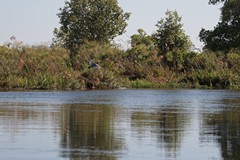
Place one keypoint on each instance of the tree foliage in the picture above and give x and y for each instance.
(171, 38)
(215, 1)
(226, 34)
(142, 39)
(89, 20)
(143, 48)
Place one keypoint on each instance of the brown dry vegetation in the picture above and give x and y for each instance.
(42, 67)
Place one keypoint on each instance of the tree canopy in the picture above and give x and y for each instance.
(90, 20)
(215, 1)
(226, 34)
(171, 38)
(141, 39)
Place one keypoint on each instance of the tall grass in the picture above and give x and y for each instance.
(42, 67)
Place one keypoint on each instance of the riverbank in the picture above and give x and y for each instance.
(42, 67)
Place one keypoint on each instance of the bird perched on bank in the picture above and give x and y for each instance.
(93, 65)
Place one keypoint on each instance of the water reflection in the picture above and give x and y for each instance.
(224, 128)
(118, 125)
(18, 117)
(167, 125)
(88, 131)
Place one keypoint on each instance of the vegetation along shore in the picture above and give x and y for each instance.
(83, 55)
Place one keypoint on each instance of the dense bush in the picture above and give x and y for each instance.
(42, 67)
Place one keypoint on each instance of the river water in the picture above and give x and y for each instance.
(120, 125)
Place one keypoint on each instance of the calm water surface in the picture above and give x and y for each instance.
(120, 125)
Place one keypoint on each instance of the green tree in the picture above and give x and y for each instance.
(143, 48)
(226, 34)
(215, 1)
(142, 58)
(142, 38)
(171, 39)
(89, 20)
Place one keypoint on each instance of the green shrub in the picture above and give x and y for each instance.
(99, 78)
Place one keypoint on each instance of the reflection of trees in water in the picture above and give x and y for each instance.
(223, 127)
(88, 132)
(167, 125)
(18, 114)
(14, 116)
